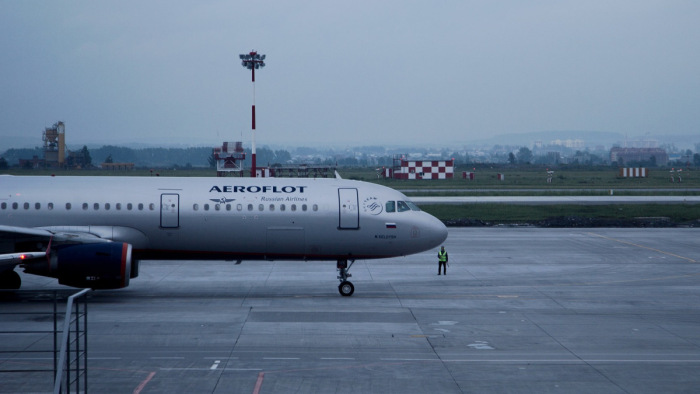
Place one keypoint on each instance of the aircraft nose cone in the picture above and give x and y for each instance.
(437, 231)
(432, 234)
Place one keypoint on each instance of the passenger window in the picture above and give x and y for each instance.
(315, 208)
(391, 206)
(250, 207)
(129, 206)
(68, 206)
(119, 206)
(85, 206)
(14, 205)
(107, 206)
(50, 206)
(239, 207)
(272, 207)
(151, 206)
(140, 207)
(3, 205)
(217, 207)
(303, 207)
(282, 207)
(228, 207)
(261, 207)
(294, 207)
(26, 205)
(37, 206)
(402, 206)
(195, 207)
(96, 206)
(206, 207)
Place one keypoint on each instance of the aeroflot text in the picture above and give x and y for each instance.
(257, 189)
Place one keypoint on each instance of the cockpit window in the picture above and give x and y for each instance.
(403, 207)
(391, 206)
(413, 206)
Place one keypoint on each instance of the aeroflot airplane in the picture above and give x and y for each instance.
(93, 231)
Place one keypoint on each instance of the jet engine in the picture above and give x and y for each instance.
(97, 265)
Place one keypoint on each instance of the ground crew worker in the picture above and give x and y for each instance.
(442, 260)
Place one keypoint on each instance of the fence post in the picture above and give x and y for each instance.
(64, 341)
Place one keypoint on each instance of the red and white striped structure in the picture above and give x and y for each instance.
(638, 172)
(426, 169)
(253, 61)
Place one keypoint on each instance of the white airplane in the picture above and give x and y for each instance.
(93, 231)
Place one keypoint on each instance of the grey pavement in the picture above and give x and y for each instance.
(521, 310)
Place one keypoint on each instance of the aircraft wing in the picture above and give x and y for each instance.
(16, 258)
(13, 231)
(14, 240)
(59, 234)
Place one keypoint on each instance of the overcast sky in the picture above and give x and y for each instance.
(347, 72)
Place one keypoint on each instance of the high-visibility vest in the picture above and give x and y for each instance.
(442, 256)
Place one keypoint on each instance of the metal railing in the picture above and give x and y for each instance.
(70, 370)
(32, 331)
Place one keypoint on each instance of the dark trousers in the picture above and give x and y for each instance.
(443, 265)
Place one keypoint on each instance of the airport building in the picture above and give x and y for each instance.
(423, 169)
(54, 138)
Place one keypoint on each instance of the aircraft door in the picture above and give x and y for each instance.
(349, 213)
(169, 210)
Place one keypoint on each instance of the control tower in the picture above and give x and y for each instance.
(54, 138)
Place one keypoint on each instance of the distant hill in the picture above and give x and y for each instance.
(590, 138)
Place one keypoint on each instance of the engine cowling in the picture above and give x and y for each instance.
(99, 266)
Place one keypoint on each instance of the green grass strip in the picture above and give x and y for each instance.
(529, 213)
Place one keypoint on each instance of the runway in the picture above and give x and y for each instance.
(521, 310)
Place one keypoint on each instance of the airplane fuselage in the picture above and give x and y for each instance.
(224, 218)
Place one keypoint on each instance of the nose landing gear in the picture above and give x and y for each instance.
(346, 287)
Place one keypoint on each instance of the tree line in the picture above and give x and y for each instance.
(146, 157)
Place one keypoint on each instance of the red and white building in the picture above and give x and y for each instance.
(639, 172)
(425, 169)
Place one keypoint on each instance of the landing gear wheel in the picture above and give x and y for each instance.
(346, 288)
(10, 280)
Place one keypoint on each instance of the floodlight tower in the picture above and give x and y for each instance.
(253, 61)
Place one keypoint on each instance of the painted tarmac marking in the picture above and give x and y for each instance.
(444, 323)
(280, 358)
(167, 358)
(480, 345)
(337, 358)
(259, 382)
(215, 365)
(143, 384)
(644, 247)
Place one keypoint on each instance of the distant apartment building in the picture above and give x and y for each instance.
(570, 143)
(625, 156)
(553, 157)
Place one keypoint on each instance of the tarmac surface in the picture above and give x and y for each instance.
(521, 310)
